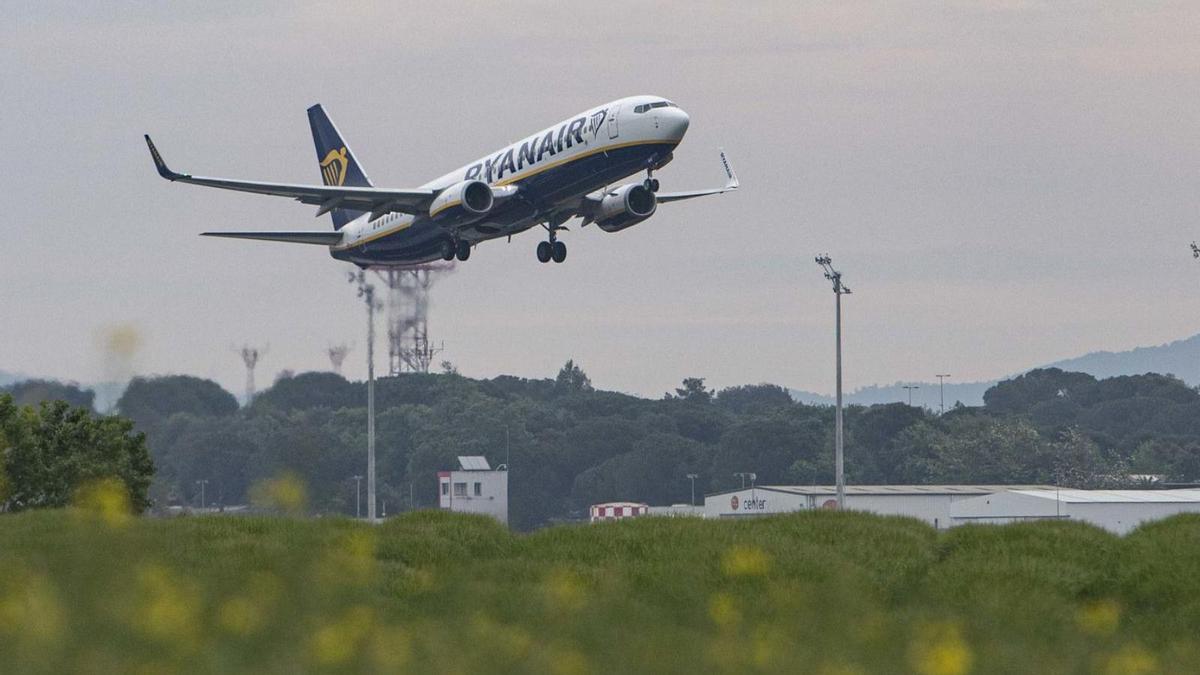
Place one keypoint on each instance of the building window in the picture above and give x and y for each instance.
(445, 488)
(619, 511)
(460, 489)
(479, 489)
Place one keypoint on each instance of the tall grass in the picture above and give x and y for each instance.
(820, 592)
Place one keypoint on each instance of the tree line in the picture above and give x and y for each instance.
(568, 444)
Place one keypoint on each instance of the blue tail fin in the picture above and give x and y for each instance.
(338, 165)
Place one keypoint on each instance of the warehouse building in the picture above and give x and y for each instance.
(1117, 511)
(475, 488)
(930, 503)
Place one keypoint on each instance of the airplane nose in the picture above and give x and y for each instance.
(675, 122)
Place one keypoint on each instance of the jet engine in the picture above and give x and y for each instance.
(463, 202)
(625, 207)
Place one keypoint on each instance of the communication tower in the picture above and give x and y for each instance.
(409, 346)
(337, 355)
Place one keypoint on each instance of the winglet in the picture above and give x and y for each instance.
(159, 163)
(733, 180)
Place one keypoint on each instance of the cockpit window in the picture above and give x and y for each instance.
(657, 104)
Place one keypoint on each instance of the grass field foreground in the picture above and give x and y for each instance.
(431, 592)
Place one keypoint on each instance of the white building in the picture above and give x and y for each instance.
(930, 503)
(475, 488)
(1118, 511)
(678, 511)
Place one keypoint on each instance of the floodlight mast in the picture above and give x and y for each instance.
(942, 391)
(839, 289)
(366, 291)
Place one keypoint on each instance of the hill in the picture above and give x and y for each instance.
(435, 593)
(1180, 358)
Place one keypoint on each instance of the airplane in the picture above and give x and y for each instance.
(572, 169)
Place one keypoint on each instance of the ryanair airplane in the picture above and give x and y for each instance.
(572, 169)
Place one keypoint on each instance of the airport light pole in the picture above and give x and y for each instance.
(367, 293)
(942, 391)
(357, 496)
(692, 477)
(910, 388)
(202, 483)
(839, 290)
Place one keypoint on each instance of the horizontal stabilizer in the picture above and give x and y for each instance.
(320, 238)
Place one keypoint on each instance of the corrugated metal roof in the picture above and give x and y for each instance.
(474, 463)
(896, 490)
(1113, 496)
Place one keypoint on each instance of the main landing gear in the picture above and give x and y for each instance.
(552, 248)
(452, 249)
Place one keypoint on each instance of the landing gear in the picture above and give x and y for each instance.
(463, 250)
(448, 249)
(651, 183)
(552, 248)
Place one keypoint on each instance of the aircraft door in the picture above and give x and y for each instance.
(612, 121)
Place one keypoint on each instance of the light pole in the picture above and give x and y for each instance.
(910, 388)
(367, 293)
(357, 498)
(692, 477)
(839, 290)
(942, 391)
(202, 483)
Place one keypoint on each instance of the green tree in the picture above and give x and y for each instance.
(572, 378)
(33, 392)
(51, 452)
(754, 398)
(149, 400)
(693, 391)
(311, 390)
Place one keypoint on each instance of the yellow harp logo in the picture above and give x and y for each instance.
(333, 167)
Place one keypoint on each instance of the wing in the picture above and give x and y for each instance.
(376, 200)
(319, 238)
(731, 185)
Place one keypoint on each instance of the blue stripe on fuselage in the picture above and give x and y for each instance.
(422, 241)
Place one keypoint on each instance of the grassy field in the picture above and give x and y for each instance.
(818, 592)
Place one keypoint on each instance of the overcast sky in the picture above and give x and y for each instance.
(1002, 183)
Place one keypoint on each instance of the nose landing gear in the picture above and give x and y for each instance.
(651, 183)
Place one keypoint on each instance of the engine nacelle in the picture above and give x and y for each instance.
(625, 207)
(467, 201)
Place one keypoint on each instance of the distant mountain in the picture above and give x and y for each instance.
(1180, 358)
(926, 394)
(8, 378)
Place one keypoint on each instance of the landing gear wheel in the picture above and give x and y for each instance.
(544, 251)
(463, 250)
(650, 184)
(448, 250)
(560, 252)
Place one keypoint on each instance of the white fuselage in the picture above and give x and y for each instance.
(545, 172)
